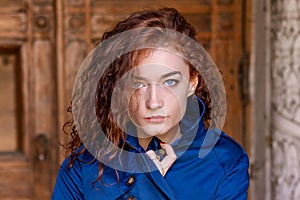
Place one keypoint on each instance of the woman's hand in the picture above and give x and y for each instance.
(163, 165)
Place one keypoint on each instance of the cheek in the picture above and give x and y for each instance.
(135, 105)
(179, 95)
(176, 104)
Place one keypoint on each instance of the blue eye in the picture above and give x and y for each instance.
(171, 82)
(138, 85)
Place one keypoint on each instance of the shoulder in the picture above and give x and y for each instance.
(79, 162)
(76, 164)
(78, 157)
(235, 163)
(230, 153)
(73, 177)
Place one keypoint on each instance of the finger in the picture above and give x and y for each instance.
(151, 154)
(170, 158)
(156, 161)
(168, 161)
(169, 150)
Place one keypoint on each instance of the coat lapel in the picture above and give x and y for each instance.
(161, 183)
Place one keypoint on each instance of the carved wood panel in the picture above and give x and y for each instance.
(28, 28)
(285, 77)
(285, 176)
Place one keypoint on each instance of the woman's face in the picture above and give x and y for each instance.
(161, 86)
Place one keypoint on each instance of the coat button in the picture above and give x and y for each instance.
(130, 181)
(131, 198)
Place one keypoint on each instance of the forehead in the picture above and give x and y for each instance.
(160, 62)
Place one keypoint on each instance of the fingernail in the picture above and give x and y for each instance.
(162, 142)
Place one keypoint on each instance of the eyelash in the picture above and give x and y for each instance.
(139, 85)
(173, 81)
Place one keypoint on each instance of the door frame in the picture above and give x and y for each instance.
(260, 86)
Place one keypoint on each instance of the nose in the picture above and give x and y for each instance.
(154, 100)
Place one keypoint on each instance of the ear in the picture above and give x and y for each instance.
(193, 85)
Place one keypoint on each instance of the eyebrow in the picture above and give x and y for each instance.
(163, 76)
(171, 74)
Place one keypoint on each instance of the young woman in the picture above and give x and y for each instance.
(148, 104)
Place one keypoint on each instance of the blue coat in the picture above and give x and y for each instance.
(221, 172)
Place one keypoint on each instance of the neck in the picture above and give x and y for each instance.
(144, 142)
(170, 138)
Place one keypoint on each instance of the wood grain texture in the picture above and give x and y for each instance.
(15, 177)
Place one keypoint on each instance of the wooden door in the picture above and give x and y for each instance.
(220, 28)
(28, 122)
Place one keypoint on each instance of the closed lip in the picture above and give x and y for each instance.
(156, 118)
